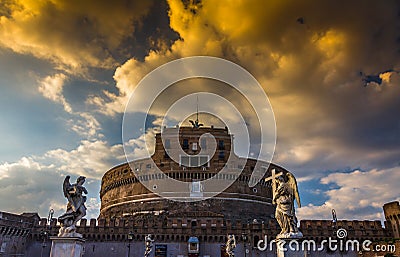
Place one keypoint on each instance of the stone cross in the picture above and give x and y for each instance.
(272, 177)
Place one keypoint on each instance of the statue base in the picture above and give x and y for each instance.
(67, 247)
(289, 247)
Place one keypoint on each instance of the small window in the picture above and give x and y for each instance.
(221, 155)
(204, 161)
(221, 145)
(203, 144)
(167, 144)
(185, 145)
(185, 161)
(194, 146)
(194, 161)
(148, 166)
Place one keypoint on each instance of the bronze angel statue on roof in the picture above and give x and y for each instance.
(285, 194)
(76, 208)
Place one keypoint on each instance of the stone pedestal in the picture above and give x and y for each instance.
(286, 247)
(66, 246)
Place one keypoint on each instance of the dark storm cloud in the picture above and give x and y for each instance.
(310, 71)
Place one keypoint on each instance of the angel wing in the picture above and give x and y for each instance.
(66, 185)
(293, 185)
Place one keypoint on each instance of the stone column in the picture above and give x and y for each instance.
(67, 246)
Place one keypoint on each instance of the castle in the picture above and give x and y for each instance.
(132, 207)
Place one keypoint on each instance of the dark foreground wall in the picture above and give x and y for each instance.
(110, 249)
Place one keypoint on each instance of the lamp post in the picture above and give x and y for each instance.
(335, 229)
(244, 239)
(47, 229)
(130, 238)
(334, 222)
(43, 234)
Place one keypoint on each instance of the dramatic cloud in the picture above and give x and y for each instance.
(83, 123)
(34, 183)
(310, 71)
(31, 186)
(51, 88)
(356, 195)
(72, 34)
(311, 57)
(90, 159)
(326, 119)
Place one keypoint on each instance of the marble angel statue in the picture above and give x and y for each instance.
(230, 245)
(285, 194)
(76, 208)
(148, 245)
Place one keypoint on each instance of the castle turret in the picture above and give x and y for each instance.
(392, 216)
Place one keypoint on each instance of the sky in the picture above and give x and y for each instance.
(330, 70)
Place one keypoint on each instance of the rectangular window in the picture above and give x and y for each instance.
(185, 161)
(194, 161)
(203, 143)
(221, 155)
(204, 161)
(185, 145)
(194, 146)
(167, 144)
(221, 145)
(138, 167)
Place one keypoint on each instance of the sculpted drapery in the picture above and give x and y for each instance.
(284, 196)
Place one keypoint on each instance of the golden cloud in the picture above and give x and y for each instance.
(309, 69)
(72, 34)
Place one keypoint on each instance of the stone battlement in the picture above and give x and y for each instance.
(28, 230)
(214, 229)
